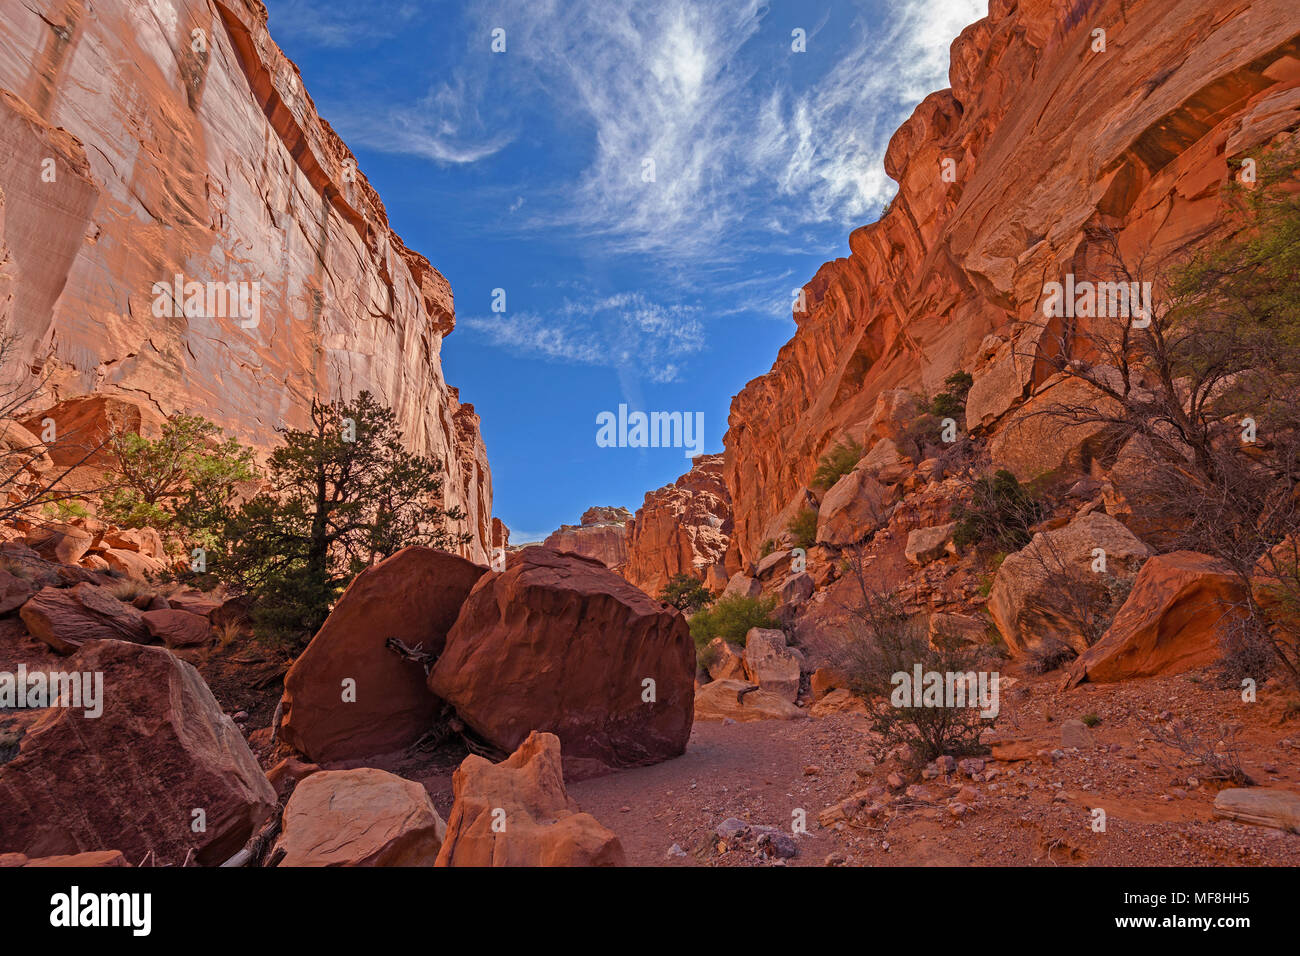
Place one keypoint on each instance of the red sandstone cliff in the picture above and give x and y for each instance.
(682, 528)
(143, 141)
(601, 535)
(1047, 137)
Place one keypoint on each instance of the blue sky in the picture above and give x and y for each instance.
(665, 288)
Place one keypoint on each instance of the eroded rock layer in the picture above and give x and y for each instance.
(141, 142)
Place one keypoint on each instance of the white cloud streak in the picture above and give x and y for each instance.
(626, 331)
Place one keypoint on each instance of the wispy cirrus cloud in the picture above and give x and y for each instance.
(626, 331)
(689, 86)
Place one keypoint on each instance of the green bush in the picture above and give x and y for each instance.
(951, 402)
(804, 528)
(731, 617)
(180, 481)
(686, 593)
(836, 463)
(1000, 514)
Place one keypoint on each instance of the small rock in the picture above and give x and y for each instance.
(674, 851)
(1075, 733)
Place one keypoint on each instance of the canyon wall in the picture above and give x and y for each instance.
(1046, 139)
(601, 535)
(682, 528)
(142, 140)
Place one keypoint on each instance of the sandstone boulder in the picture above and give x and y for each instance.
(742, 701)
(1053, 432)
(413, 596)
(773, 565)
(62, 543)
(14, 591)
(725, 661)
(22, 449)
(82, 427)
(742, 585)
(770, 663)
(525, 792)
(796, 589)
(929, 544)
(147, 541)
(886, 462)
(853, 508)
(362, 817)
(1028, 602)
(1260, 805)
(838, 701)
(826, 679)
(560, 644)
(132, 564)
(1170, 623)
(177, 628)
(67, 618)
(160, 757)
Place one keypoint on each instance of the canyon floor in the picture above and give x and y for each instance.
(1035, 811)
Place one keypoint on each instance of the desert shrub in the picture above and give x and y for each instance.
(1000, 513)
(804, 528)
(836, 463)
(1245, 650)
(951, 402)
(686, 593)
(767, 548)
(887, 641)
(705, 657)
(1048, 655)
(731, 617)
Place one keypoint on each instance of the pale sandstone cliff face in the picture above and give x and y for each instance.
(601, 535)
(1048, 137)
(208, 160)
(682, 528)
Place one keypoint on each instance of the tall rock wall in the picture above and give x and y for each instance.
(682, 528)
(142, 140)
(1048, 137)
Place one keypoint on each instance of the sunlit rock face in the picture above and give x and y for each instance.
(1041, 138)
(149, 144)
(682, 528)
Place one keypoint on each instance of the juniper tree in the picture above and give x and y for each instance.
(342, 493)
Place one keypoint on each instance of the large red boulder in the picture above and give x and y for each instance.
(161, 770)
(67, 618)
(559, 643)
(1171, 622)
(413, 596)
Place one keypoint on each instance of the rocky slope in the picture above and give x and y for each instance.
(142, 142)
(1047, 137)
